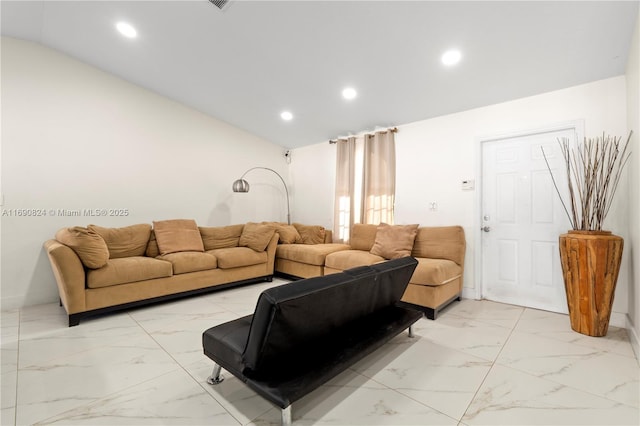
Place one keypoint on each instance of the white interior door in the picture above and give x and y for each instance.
(522, 218)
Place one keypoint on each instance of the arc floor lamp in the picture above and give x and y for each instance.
(242, 185)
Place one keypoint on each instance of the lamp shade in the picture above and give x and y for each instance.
(240, 185)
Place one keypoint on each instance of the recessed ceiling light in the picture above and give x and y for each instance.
(126, 29)
(349, 93)
(451, 57)
(286, 115)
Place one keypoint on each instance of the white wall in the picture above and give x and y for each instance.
(633, 244)
(313, 180)
(433, 157)
(74, 137)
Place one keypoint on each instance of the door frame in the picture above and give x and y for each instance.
(576, 125)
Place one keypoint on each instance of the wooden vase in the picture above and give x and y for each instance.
(590, 265)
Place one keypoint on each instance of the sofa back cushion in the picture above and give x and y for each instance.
(363, 236)
(177, 235)
(87, 244)
(256, 236)
(394, 241)
(127, 241)
(221, 236)
(290, 317)
(440, 242)
(288, 234)
(310, 234)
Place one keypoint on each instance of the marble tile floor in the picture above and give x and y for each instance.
(479, 363)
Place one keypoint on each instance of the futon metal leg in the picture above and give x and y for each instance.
(215, 377)
(286, 416)
(411, 331)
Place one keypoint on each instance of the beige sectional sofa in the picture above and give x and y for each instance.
(304, 257)
(101, 269)
(440, 252)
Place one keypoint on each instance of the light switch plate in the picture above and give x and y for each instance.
(468, 185)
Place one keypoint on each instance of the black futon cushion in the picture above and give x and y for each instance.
(306, 332)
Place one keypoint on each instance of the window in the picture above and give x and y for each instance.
(365, 182)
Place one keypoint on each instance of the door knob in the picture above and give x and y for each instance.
(486, 228)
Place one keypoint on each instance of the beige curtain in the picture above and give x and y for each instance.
(344, 207)
(379, 181)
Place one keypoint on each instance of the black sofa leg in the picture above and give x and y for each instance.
(286, 416)
(74, 319)
(215, 377)
(430, 313)
(411, 331)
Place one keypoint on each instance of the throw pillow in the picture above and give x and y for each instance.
(256, 236)
(125, 242)
(221, 236)
(88, 245)
(288, 234)
(310, 234)
(177, 235)
(394, 241)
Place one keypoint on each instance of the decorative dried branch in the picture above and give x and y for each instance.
(571, 219)
(593, 173)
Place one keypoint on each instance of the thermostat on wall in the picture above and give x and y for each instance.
(468, 185)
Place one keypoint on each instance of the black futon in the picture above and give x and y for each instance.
(306, 332)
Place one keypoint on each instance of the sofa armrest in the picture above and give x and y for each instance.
(328, 236)
(69, 274)
(441, 242)
(271, 252)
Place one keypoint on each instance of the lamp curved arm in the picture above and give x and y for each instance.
(283, 184)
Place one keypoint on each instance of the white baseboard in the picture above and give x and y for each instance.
(469, 293)
(633, 338)
(618, 319)
(10, 303)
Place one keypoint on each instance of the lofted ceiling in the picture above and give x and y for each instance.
(247, 63)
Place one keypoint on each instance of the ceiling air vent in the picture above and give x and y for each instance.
(221, 4)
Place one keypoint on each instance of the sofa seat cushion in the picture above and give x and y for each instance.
(435, 272)
(190, 261)
(127, 270)
(311, 254)
(236, 257)
(348, 259)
